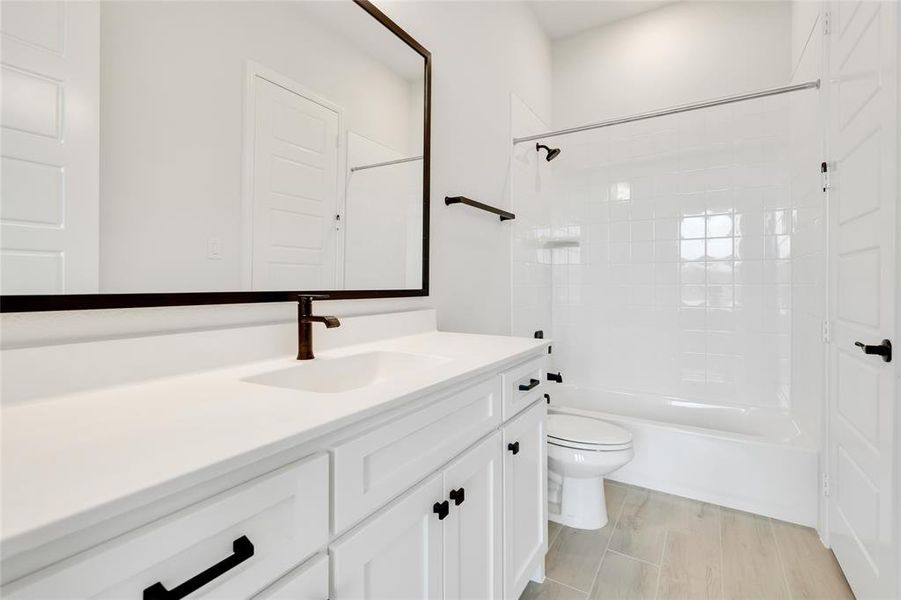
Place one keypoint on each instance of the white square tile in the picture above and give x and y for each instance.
(719, 248)
(642, 231)
(692, 228)
(719, 226)
(692, 250)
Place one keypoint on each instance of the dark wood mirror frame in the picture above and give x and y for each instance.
(48, 302)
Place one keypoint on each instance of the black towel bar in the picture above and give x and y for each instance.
(503, 214)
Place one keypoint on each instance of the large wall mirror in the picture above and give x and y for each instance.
(183, 152)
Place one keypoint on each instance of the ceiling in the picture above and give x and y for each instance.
(562, 18)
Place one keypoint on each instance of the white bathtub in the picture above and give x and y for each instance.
(751, 459)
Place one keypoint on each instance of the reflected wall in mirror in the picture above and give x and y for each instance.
(225, 146)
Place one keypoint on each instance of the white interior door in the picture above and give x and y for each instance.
(50, 80)
(863, 138)
(294, 184)
(473, 553)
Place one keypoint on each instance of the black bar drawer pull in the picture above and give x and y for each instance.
(558, 377)
(441, 509)
(514, 447)
(242, 550)
(458, 496)
(525, 387)
(884, 349)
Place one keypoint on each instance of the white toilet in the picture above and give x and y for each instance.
(581, 451)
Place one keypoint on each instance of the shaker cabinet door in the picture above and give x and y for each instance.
(525, 498)
(396, 553)
(473, 532)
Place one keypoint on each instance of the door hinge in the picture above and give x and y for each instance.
(825, 485)
(827, 23)
(827, 331)
(824, 172)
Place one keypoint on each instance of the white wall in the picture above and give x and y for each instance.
(679, 53)
(482, 52)
(172, 77)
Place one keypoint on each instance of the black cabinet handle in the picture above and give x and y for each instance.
(242, 549)
(458, 496)
(525, 387)
(514, 447)
(441, 509)
(884, 349)
(558, 377)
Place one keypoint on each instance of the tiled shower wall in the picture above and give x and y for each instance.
(809, 235)
(670, 248)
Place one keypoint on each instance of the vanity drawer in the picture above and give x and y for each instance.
(237, 542)
(373, 468)
(307, 582)
(525, 375)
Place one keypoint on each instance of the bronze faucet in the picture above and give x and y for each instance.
(305, 320)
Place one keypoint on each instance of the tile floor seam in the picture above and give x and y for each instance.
(641, 560)
(597, 570)
(781, 561)
(566, 585)
(660, 568)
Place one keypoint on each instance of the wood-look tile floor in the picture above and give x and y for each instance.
(661, 546)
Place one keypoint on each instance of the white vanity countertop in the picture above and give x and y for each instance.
(69, 459)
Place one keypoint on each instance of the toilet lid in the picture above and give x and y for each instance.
(585, 430)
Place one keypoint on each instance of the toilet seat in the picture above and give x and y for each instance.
(584, 433)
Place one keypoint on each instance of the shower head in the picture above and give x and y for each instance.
(552, 153)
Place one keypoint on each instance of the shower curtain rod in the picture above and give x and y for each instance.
(673, 110)
(386, 163)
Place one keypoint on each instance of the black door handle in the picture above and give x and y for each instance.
(525, 387)
(242, 549)
(558, 377)
(884, 349)
(441, 509)
(513, 447)
(458, 496)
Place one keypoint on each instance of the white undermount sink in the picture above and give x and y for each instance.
(332, 375)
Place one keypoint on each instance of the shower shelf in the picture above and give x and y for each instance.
(503, 214)
(560, 243)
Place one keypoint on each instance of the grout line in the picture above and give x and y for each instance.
(781, 560)
(607, 549)
(660, 568)
(566, 585)
(641, 560)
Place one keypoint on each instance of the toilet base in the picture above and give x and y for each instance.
(583, 504)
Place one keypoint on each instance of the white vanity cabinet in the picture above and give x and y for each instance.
(440, 498)
(371, 468)
(307, 582)
(229, 546)
(442, 540)
(525, 498)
